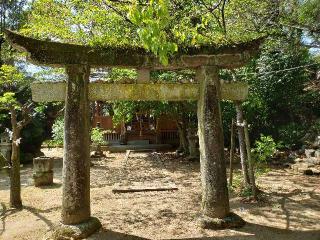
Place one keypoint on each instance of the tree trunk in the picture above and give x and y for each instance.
(242, 144)
(76, 161)
(15, 185)
(215, 199)
(250, 164)
(232, 149)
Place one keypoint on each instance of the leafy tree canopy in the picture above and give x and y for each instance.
(158, 25)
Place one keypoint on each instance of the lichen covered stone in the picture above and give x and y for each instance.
(73, 232)
(230, 221)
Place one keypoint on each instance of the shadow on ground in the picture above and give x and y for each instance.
(35, 211)
(249, 232)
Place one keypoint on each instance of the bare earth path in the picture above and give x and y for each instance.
(291, 212)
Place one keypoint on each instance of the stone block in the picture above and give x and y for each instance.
(313, 160)
(308, 172)
(317, 154)
(42, 171)
(309, 153)
(315, 171)
(42, 164)
(316, 143)
(43, 179)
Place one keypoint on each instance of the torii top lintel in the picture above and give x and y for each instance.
(62, 54)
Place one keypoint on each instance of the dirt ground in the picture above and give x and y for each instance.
(292, 209)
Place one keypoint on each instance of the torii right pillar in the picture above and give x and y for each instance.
(215, 199)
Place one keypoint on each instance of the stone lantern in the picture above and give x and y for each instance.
(193, 141)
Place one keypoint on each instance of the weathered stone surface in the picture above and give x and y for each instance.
(315, 171)
(230, 221)
(50, 92)
(5, 149)
(297, 160)
(72, 232)
(215, 198)
(43, 179)
(143, 75)
(42, 171)
(150, 92)
(309, 153)
(61, 54)
(307, 166)
(193, 141)
(42, 164)
(76, 160)
(316, 143)
(317, 154)
(312, 160)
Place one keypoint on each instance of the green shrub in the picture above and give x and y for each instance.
(58, 132)
(97, 136)
(291, 135)
(263, 150)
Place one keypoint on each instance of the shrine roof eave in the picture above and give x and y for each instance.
(61, 54)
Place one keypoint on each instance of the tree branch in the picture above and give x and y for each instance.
(26, 116)
(118, 12)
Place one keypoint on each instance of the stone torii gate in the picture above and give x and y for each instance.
(77, 92)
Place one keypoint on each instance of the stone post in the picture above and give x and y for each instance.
(76, 159)
(193, 143)
(42, 171)
(215, 199)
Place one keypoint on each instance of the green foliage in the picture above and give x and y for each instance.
(238, 187)
(7, 100)
(315, 128)
(152, 21)
(300, 18)
(58, 131)
(10, 75)
(116, 74)
(157, 25)
(183, 76)
(310, 11)
(292, 134)
(263, 149)
(278, 104)
(97, 136)
(58, 134)
(11, 80)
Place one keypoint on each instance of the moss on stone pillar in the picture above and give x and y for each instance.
(76, 163)
(215, 199)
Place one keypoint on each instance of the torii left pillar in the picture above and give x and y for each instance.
(76, 160)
